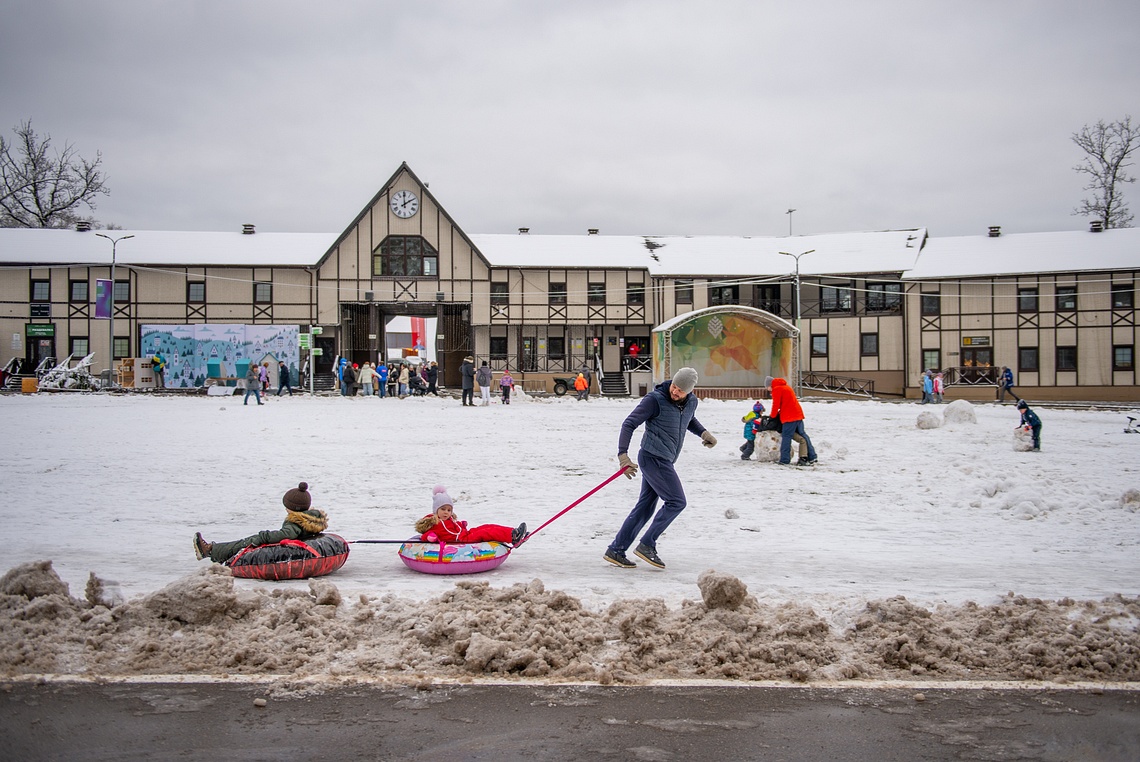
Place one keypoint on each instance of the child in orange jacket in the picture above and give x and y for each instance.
(441, 525)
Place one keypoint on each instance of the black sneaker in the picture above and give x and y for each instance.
(201, 547)
(617, 558)
(812, 461)
(649, 555)
(803, 462)
(518, 534)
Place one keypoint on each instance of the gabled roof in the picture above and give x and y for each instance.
(884, 251)
(1012, 254)
(45, 246)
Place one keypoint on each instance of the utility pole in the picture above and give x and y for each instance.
(799, 333)
(789, 213)
(111, 346)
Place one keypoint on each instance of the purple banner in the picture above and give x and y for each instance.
(104, 289)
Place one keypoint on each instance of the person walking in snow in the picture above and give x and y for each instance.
(158, 366)
(283, 378)
(402, 381)
(506, 385)
(927, 388)
(667, 412)
(441, 525)
(1005, 384)
(582, 386)
(432, 376)
(467, 376)
(301, 523)
(365, 378)
(751, 422)
(483, 378)
(938, 387)
(382, 377)
(787, 408)
(1030, 420)
(253, 383)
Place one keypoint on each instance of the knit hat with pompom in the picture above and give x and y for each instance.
(439, 497)
(298, 499)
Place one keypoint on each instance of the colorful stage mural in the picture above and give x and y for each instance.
(728, 346)
(220, 350)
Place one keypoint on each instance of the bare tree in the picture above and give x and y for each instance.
(40, 188)
(1107, 148)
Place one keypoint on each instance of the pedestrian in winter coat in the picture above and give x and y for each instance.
(585, 373)
(283, 378)
(382, 377)
(1031, 421)
(433, 378)
(483, 378)
(364, 378)
(582, 386)
(751, 421)
(467, 374)
(787, 408)
(350, 380)
(302, 522)
(938, 387)
(252, 383)
(927, 388)
(441, 525)
(506, 385)
(1005, 384)
(158, 367)
(667, 412)
(263, 375)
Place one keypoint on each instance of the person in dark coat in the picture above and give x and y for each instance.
(433, 378)
(283, 378)
(302, 522)
(1031, 421)
(667, 412)
(467, 371)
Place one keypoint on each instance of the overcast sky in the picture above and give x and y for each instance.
(632, 116)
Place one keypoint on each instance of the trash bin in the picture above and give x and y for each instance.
(105, 381)
(29, 385)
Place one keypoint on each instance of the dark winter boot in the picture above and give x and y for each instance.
(649, 555)
(519, 534)
(618, 558)
(201, 547)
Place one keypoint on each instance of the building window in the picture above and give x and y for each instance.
(931, 359)
(41, 291)
(869, 344)
(1066, 358)
(635, 293)
(834, 299)
(1122, 296)
(498, 348)
(123, 291)
(719, 295)
(768, 299)
(596, 293)
(79, 346)
(78, 291)
(1122, 357)
(1027, 360)
(684, 291)
(1027, 300)
(122, 348)
(819, 345)
(558, 293)
(556, 347)
(405, 255)
(195, 291)
(500, 293)
(931, 304)
(263, 293)
(1066, 298)
(884, 297)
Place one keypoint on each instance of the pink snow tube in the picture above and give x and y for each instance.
(446, 558)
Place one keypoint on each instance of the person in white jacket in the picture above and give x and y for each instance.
(364, 378)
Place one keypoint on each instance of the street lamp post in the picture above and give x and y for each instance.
(799, 334)
(789, 213)
(111, 346)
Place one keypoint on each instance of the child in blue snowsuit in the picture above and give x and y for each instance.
(382, 375)
(1032, 421)
(751, 422)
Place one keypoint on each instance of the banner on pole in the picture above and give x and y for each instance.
(104, 290)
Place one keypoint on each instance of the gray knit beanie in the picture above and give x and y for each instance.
(767, 381)
(685, 379)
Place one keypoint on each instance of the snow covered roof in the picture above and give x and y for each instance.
(866, 252)
(161, 247)
(1008, 254)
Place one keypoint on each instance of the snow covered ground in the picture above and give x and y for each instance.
(951, 516)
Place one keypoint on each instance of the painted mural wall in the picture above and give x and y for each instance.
(220, 350)
(727, 350)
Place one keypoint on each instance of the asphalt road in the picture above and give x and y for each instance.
(220, 721)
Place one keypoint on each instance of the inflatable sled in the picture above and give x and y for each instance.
(291, 559)
(464, 558)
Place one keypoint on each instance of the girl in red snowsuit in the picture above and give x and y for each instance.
(441, 525)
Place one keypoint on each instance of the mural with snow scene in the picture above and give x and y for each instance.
(197, 352)
(729, 346)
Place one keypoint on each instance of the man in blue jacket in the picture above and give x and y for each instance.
(667, 412)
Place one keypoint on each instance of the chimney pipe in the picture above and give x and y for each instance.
(1096, 226)
(591, 231)
(524, 231)
(247, 229)
(995, 231)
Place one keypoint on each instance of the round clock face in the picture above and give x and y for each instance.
(404, 203)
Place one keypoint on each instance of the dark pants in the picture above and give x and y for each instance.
(787, 433)
(659, 481)
(506, 395)
(468, 396)
(283, 386)
(747, 449)
(1036, 437)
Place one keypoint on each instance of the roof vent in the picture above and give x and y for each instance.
(995, 231)
(247, 229)
(1096, 226)
(83, 226)
(591, 231)
(524, 231)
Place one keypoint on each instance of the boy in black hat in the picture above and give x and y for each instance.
(301, 523)
(1030, 420)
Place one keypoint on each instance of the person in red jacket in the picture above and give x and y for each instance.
(787, 407)
(441, 525)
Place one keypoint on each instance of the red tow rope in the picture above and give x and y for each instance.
(551, 520)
